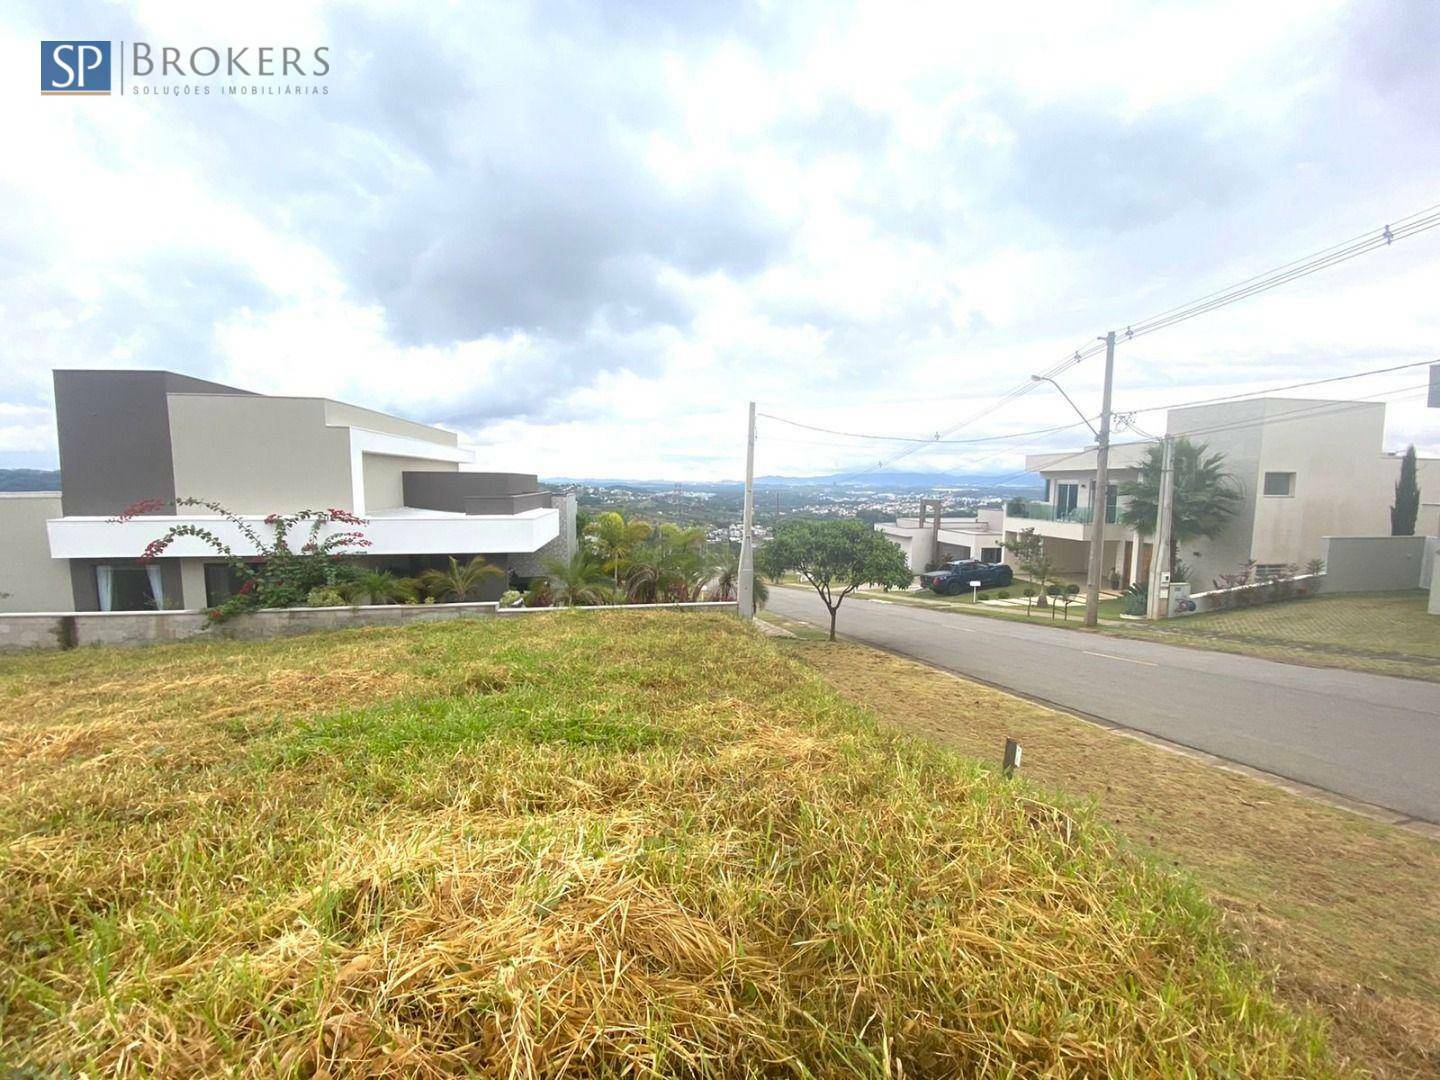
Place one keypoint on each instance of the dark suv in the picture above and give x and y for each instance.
(955, 577)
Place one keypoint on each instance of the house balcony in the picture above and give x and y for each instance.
(1068, 524)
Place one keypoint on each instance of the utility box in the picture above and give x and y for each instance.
(1178, 599)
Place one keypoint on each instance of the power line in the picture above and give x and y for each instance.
(914, 439)
(1321, 408)
(934, 440)
(1411, 225)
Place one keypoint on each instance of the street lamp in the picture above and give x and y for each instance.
(1057, 386)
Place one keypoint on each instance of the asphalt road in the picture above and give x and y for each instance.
(1367, 737)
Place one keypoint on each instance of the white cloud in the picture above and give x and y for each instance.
(585, 240)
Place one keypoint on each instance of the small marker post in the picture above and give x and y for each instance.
(1012, 757)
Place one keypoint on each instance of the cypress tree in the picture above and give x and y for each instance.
(1407, 498)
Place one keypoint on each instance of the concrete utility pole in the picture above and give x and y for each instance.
(746, 587)
(1099, 500)
(1160, 555)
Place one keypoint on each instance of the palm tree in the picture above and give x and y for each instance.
(1206, 497)
(581, 582)
(383, 587)
(727, 581)
(678, 538)
(460, 582)
(613, 539)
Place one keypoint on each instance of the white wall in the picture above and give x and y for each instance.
(31, 578)
(259, 455)
(1375, 563)
(1340, 486)
(384, 478)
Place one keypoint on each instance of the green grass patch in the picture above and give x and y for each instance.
(1387, 633)
(575, 844)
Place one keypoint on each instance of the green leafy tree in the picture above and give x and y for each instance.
(459, 583)
(1206, 496)
(581, 582)
(836, 558)
(1029, 552)
(613, 540)
(1407, 497)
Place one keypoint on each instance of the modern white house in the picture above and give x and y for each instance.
(929, 540)
(1304, 470)
(127, 436)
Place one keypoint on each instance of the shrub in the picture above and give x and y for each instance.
(1135, 599)
(1003, 594)
(540, 594)
(511, 598)
(325, 596)
(282, 576)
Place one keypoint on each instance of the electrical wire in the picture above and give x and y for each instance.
(927, 441)
(1411, 225)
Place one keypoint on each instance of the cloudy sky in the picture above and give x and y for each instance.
(583, 235)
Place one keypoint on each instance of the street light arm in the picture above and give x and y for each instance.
(1052, 382)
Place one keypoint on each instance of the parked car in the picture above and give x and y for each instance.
(955, 577)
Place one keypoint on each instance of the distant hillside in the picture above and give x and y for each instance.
(29, 479)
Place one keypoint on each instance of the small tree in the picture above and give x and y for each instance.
(1029, 551)
(581, 582)
(1407, 497)
(460, 581)
(836, 558)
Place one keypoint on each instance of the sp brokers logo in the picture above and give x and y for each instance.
(75, 67)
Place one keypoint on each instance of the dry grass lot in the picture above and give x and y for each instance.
(1345, 909)
(581, 844)
(1387, 633)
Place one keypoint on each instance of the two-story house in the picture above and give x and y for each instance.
(127, 436)
(1302, 470)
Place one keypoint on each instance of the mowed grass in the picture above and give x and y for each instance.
(1345, 909)
(585, 844)
(1387, 633)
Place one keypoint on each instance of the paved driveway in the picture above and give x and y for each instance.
(1367, 737)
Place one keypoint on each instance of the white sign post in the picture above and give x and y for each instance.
(975, 595)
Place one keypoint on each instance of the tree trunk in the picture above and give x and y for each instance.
(833, 611)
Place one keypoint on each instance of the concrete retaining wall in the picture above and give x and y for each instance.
(68, 629)
(1376, 563)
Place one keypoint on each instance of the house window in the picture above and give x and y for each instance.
(990, 555)
(1112, 500)
(1067, 496)
(1047, 489)
(129, 588)
(1279, 483)
(1266, 571)
(221, 583)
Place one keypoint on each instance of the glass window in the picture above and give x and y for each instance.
(1279, 483)
(126, 588)
(1067, 496)
(221, 583)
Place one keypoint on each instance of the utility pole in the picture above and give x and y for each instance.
(746, 588)
(1160, 555)
(1099, 501)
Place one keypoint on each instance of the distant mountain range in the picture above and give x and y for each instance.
(29, 479)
